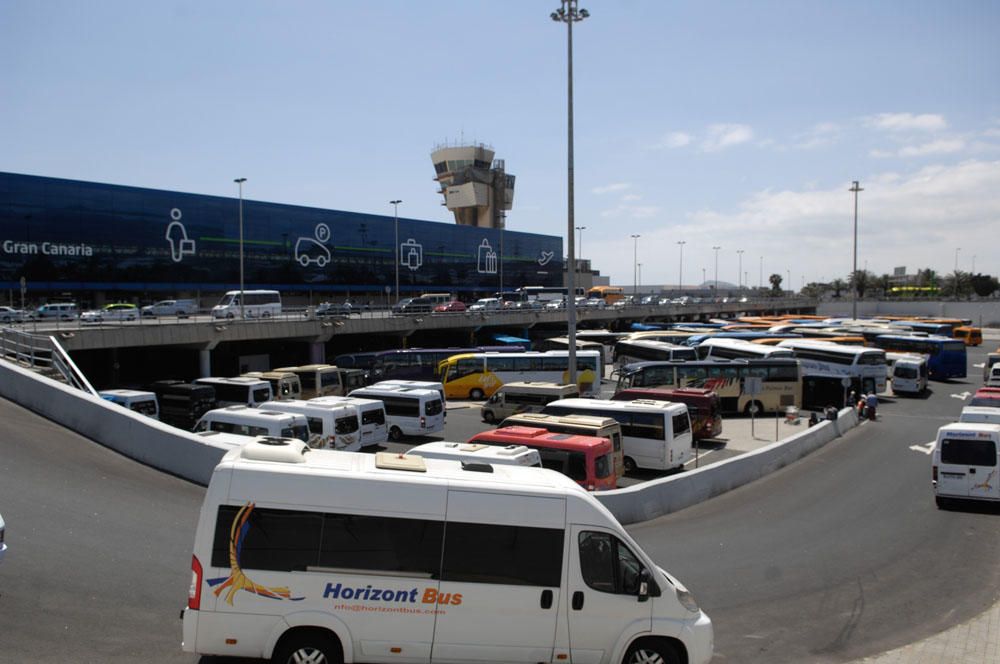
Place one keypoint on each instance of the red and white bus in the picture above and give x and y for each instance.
(587, 460)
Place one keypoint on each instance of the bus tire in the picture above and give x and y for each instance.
(395, 434)
(489, 417)
(476, 394)
(942, 503)
(652, 651)
(308, 645)
(629, 464)
(751, 404)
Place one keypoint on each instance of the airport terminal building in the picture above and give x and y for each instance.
(93, 241)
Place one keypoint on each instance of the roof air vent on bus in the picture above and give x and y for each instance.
(279, 450)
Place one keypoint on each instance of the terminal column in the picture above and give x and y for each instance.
(204, 363)
(317, 353)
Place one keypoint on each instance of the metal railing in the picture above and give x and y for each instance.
(44, 354)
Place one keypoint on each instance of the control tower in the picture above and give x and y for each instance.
(475, 186)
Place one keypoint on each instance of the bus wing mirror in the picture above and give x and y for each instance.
(643, 593)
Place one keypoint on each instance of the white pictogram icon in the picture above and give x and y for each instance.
(545, 256)
(308, 250)
(411, 254)
(486, 258)
(180, 245)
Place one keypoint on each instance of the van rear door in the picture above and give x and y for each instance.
(502, 569)
(968, 467)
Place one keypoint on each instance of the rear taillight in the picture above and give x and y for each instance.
(934, 473)
(194, 592)
(423, 421)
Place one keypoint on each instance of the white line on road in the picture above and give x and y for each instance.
(961, 395)
(927, 448)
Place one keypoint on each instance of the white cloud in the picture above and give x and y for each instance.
(675, 139)
(907, 122)
(611, 188)
(819, 135)
(722, 136)
(941, 146)
(631, 197)
(631, 212)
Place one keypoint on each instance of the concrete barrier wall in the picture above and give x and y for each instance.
(186, 455)
(669, 494)
(153, 443)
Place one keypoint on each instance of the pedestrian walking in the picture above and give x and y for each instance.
(871, 405)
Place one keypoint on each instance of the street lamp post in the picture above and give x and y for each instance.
(760, 277)
(395, 249)
(635, 264)
(957, 249)
(739, 274)
(579, 243)
(640, 276)
(716, 279)
(854, 274)
(239, 182)
(569, 14)
(680, 266)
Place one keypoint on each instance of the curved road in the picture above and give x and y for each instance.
(838, 556)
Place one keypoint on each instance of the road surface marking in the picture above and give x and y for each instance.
(961, 395)
(927, 448)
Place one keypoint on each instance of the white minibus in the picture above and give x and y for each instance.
(408, 411)
(993, 380)
(909, 374)
(256, 304)
(527, 397)
(655, 434)
(421, 384)
(371, 413)
(312, 555)
(238, 391)
(141, 402)
(965, 463)
(513, 455)
(322, 380)
(245, 421)
(337, 425)
(981, 414)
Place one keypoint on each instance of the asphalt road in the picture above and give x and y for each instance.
(840, 555)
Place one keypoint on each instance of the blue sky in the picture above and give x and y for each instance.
(732, 124)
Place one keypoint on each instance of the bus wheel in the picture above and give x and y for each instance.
(651, 651)
(629, 465)
(476, 394)
(751, 404)
(395, 433)
(489, 417)
(311, 645)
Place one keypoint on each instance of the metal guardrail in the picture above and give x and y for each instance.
(44, 354)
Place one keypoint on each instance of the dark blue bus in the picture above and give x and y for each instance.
(946, 357)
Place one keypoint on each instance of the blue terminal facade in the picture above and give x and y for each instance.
(71, 236)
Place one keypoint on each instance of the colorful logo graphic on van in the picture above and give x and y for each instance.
(237, 580)
(985, 484)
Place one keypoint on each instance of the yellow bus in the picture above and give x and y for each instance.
(479, 375)
(610, 294)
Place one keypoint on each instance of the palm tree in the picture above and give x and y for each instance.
(775, 281)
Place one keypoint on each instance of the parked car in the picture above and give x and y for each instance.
(454, 305)
(486, 304)
(11, 315)
(62, 311)
(555, 304)
(413, 305)
(334, 309)
(111, 312)
(530, 305)
(594, 303)
(179, 308)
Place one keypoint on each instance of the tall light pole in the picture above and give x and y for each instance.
(640, 275)
(569, 14)
(957, 249)
(579, 243)
(239, 182)
(716, 249)
(680, 265)
(395, 249)
(739, 274)
(854, 273)
(635, 264)
(760, 277)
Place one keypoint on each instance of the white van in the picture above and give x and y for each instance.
(240, 391)
(141, 402)
(526, 397)
(371, 413)
(62, 311)
(909, 374)
(993, 380)
(336, 425)
(257, 304)
(513, 455)
(982, 414)
(245, 421)
(965, 463)
(408, 411)
(312, 555)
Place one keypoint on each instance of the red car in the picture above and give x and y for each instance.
(454, 305)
